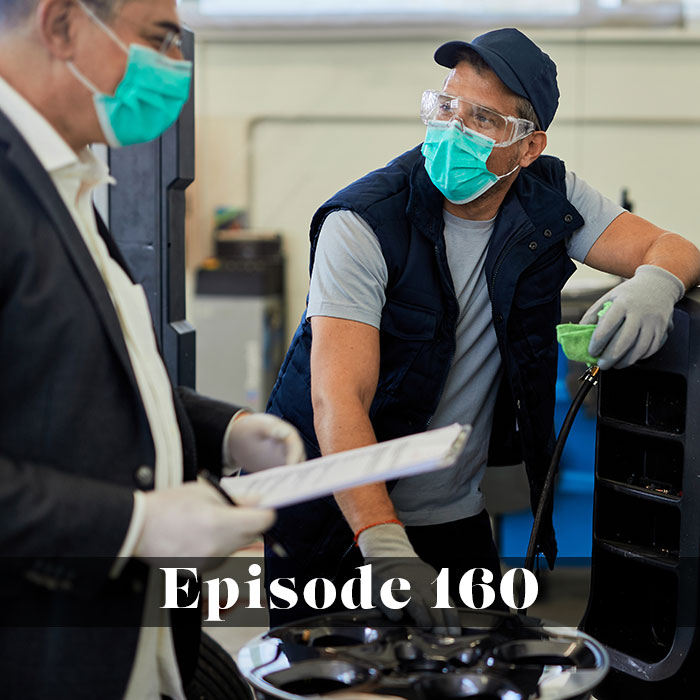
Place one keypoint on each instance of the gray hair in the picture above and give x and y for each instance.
(523, 105)
(14, 12)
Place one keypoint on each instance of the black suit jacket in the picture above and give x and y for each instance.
(74, 445)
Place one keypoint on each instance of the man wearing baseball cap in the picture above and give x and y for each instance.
(435, 293)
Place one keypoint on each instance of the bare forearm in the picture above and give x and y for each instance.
(341, 424)
(630, 241)
(366, 505)
(677, 255)
(342, 427)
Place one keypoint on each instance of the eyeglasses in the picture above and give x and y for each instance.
(504, 130)
(173, 40)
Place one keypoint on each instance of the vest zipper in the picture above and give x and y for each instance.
(499, 262)
(452, 354)
(501, 256)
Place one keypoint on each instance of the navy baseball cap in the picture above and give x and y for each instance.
(518, 62)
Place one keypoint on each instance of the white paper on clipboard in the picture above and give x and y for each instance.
(284, 486)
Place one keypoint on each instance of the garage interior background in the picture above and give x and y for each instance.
(289, 111)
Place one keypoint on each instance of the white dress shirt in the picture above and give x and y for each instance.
(75, 176)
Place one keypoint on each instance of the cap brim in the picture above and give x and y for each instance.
(446, 55)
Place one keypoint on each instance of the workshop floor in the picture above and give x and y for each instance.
(562, 599)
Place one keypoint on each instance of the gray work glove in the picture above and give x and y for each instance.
(639, 320)
(387, 549)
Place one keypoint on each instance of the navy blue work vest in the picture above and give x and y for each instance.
(526, 267)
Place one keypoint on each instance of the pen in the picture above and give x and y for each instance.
(276, 547)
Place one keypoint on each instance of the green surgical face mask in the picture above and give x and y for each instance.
(455, 159)
(149, 98)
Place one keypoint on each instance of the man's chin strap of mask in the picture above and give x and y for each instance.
(149, 98)
(455, 158)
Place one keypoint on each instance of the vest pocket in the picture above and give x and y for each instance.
(405, 330)
(543, 281)
(537, 305)
(408, 322)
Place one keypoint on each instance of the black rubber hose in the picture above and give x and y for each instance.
(589, 379)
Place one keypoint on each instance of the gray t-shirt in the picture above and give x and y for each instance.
(349, 281)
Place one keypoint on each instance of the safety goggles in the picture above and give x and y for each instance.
(503, 130)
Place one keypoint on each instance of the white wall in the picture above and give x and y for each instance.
(282, 125)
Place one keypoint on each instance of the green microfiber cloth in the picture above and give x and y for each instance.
(575, 338)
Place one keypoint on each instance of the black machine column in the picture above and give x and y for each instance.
(645, 583)
(147, 218)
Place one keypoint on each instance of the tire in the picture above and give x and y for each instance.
(216, 677)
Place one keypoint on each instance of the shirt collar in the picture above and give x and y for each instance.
(87, 170)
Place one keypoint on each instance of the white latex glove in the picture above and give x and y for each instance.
(194, 521)
(639, 320)
(259, 441)
(389, 551)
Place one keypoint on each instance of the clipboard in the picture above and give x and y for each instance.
(288, 485)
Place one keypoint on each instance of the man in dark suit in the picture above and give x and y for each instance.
(95, 443)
